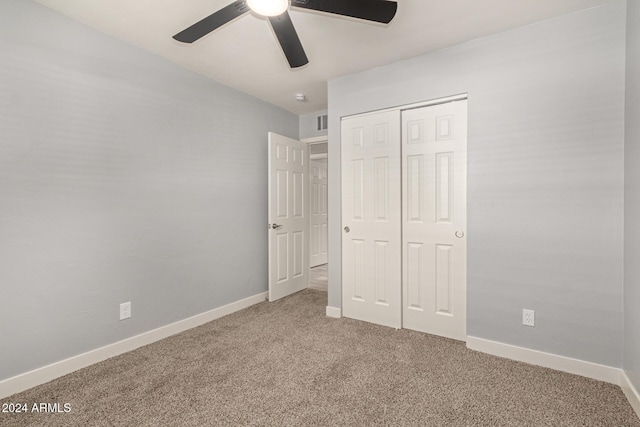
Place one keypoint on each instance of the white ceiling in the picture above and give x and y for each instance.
(245, 54)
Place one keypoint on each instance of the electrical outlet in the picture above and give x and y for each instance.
(125, 310)
(528, 317)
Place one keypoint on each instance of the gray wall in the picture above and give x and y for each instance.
(545, 177)
(309, 125)
(632, 199)
(122, 178)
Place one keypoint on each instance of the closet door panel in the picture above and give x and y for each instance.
(434, 141)
(371, 220)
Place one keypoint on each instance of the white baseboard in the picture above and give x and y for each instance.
(630, 391)
(55, 370)
(334, 312)
(548, 360)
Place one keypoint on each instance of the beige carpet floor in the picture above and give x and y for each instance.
(287, 364)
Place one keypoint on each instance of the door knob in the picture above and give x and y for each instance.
(276, 226)
(347, 229)
(459, 234)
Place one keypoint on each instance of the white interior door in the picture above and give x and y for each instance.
(318, 229)
(434, 177)
(371, 239)
(288, 216)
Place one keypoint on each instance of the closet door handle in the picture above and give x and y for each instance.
(459, 234)
(347, 229)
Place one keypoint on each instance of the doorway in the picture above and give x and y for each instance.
(318, 228)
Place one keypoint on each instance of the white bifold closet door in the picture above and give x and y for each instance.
(404, 218)
(371, 236)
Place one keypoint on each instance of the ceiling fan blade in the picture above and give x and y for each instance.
(289, 40)
(212, 22)
(371, 10)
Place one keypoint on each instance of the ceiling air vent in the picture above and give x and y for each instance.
(322, 123)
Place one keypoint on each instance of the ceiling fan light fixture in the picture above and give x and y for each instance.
(268, 7)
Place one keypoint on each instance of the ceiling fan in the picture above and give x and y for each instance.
(276, 11)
